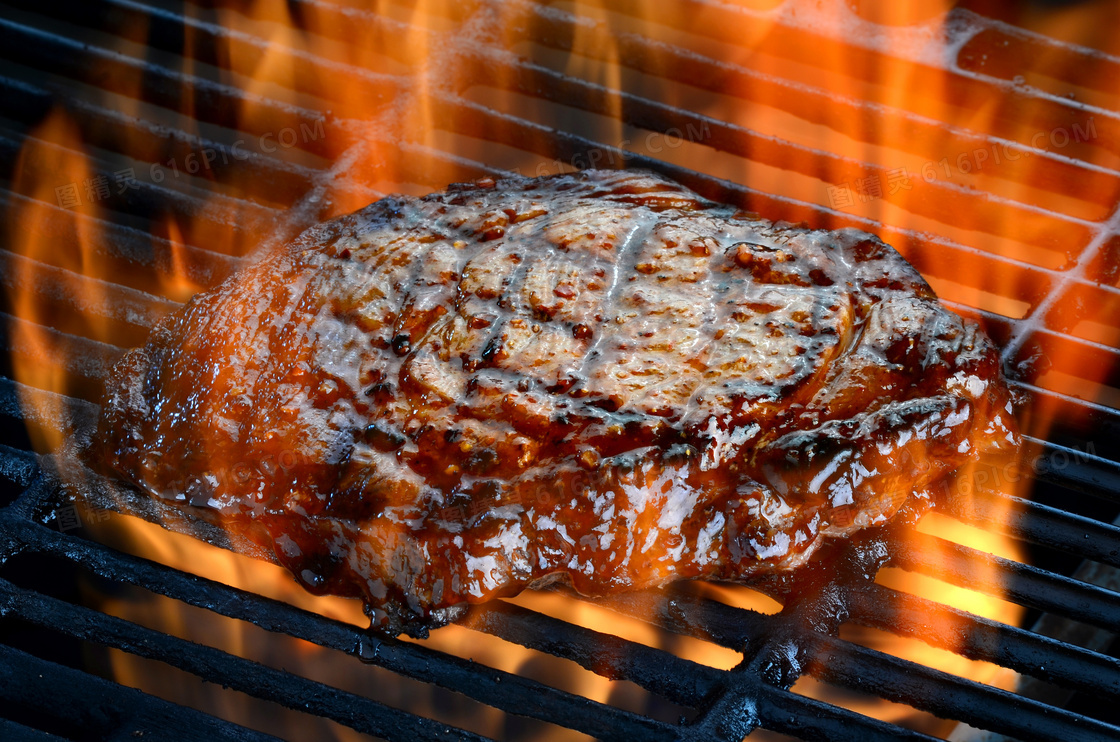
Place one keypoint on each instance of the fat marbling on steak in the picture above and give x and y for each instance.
(603, 376)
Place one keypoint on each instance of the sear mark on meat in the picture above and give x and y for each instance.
(600, 377)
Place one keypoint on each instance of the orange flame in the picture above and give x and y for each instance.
(47, 174)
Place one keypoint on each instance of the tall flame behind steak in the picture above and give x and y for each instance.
(599, 376)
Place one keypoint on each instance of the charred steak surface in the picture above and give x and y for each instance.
(600, 376)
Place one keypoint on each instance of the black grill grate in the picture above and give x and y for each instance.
(150, 84)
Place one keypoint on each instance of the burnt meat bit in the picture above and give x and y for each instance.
(599, 376)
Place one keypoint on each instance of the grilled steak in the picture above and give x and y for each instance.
(600, 376)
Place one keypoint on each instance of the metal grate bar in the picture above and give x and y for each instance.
(1070, 355)
(258, 680)
(816, 721)
(214, 103)
(131, 256)
(1021, 112)
(44, 409)
(979, 638)
(670, 676)
(148, 199)
(946, 695)
(677, 611)
(14, 732)
(1039, 524)
(1053, 342)
(1103, 417)
(18, 466)
(283, 181)
(79, 357)
(432, 165)
(127, 313)
(679, 680)
(214, 34)
(779, 655)
(1020, 583)
(164, 28)
(499, 689)
(1076, 470)
(66, 696)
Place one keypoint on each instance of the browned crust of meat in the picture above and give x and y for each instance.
(434, 402)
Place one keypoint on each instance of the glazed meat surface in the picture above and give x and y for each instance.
(598, 377)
